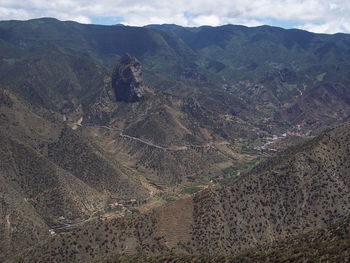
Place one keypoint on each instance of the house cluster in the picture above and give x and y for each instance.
(271, 140)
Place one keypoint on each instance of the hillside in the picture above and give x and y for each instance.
(327, 244)
(119, 139)
(271, 69)
(265, 75)
(268, 66)
(48, 175)
(305, 187)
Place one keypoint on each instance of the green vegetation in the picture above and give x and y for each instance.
(238, 168)
(329, 245)
(193, 188)
(211, 95)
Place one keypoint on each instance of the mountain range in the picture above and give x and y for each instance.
(167, 139)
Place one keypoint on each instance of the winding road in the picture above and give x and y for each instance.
(171, 148)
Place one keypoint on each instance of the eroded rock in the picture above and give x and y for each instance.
(127, 80)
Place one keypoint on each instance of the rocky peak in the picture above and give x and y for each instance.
(127, 80)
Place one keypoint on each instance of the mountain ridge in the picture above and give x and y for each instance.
(95, 174)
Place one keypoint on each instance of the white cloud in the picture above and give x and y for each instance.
(330, 27)
(210, 20)
(82, 19)
(24, 14)
(12, 13)
(327, 16)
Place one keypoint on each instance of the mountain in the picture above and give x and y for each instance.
(320, 106)
(58, 171)
(109, 131)
(305, 187)
(271, 66)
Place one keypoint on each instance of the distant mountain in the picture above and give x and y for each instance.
(321, 105)
(116, 121)
(176, 137)
(268, 65)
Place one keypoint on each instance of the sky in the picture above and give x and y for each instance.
(320, 16)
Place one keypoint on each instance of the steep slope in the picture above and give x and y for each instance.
(176, 138)
(291, 193)
(95, 167)
(328, 244)
(127, 80)
(269, 66)
(66, 77)
(48, 175)
(103, 43)
(35, 192)
(20, 224)
(304, 188)
(229, 45)
(258, 48)
(233, 52)
(50, 190)
(49, 77)
(210, 95)
(318, 107)
(43, 131)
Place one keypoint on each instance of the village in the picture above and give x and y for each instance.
(270, 142)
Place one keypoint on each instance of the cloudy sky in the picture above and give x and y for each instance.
(322, 16)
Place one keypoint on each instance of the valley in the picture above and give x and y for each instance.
(173, 144)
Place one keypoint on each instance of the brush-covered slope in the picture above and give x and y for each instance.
(269, 66)
(260, 47)
(304, 188)
(176, 138)
(103, 43)
(323, 105)
(55, 141)
(49, 77)
(210, 95)
(48, 175)
(327, 244)
(163, 46)
(68, 78)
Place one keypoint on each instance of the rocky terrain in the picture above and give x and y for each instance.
(327, 244)
(127, 80)
(303, 188)
(48, 174)
(318, 107)
(127, 140)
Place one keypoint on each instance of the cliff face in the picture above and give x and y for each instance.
(127, 80)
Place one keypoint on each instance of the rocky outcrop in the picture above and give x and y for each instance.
(127, 80)
(5, 98)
